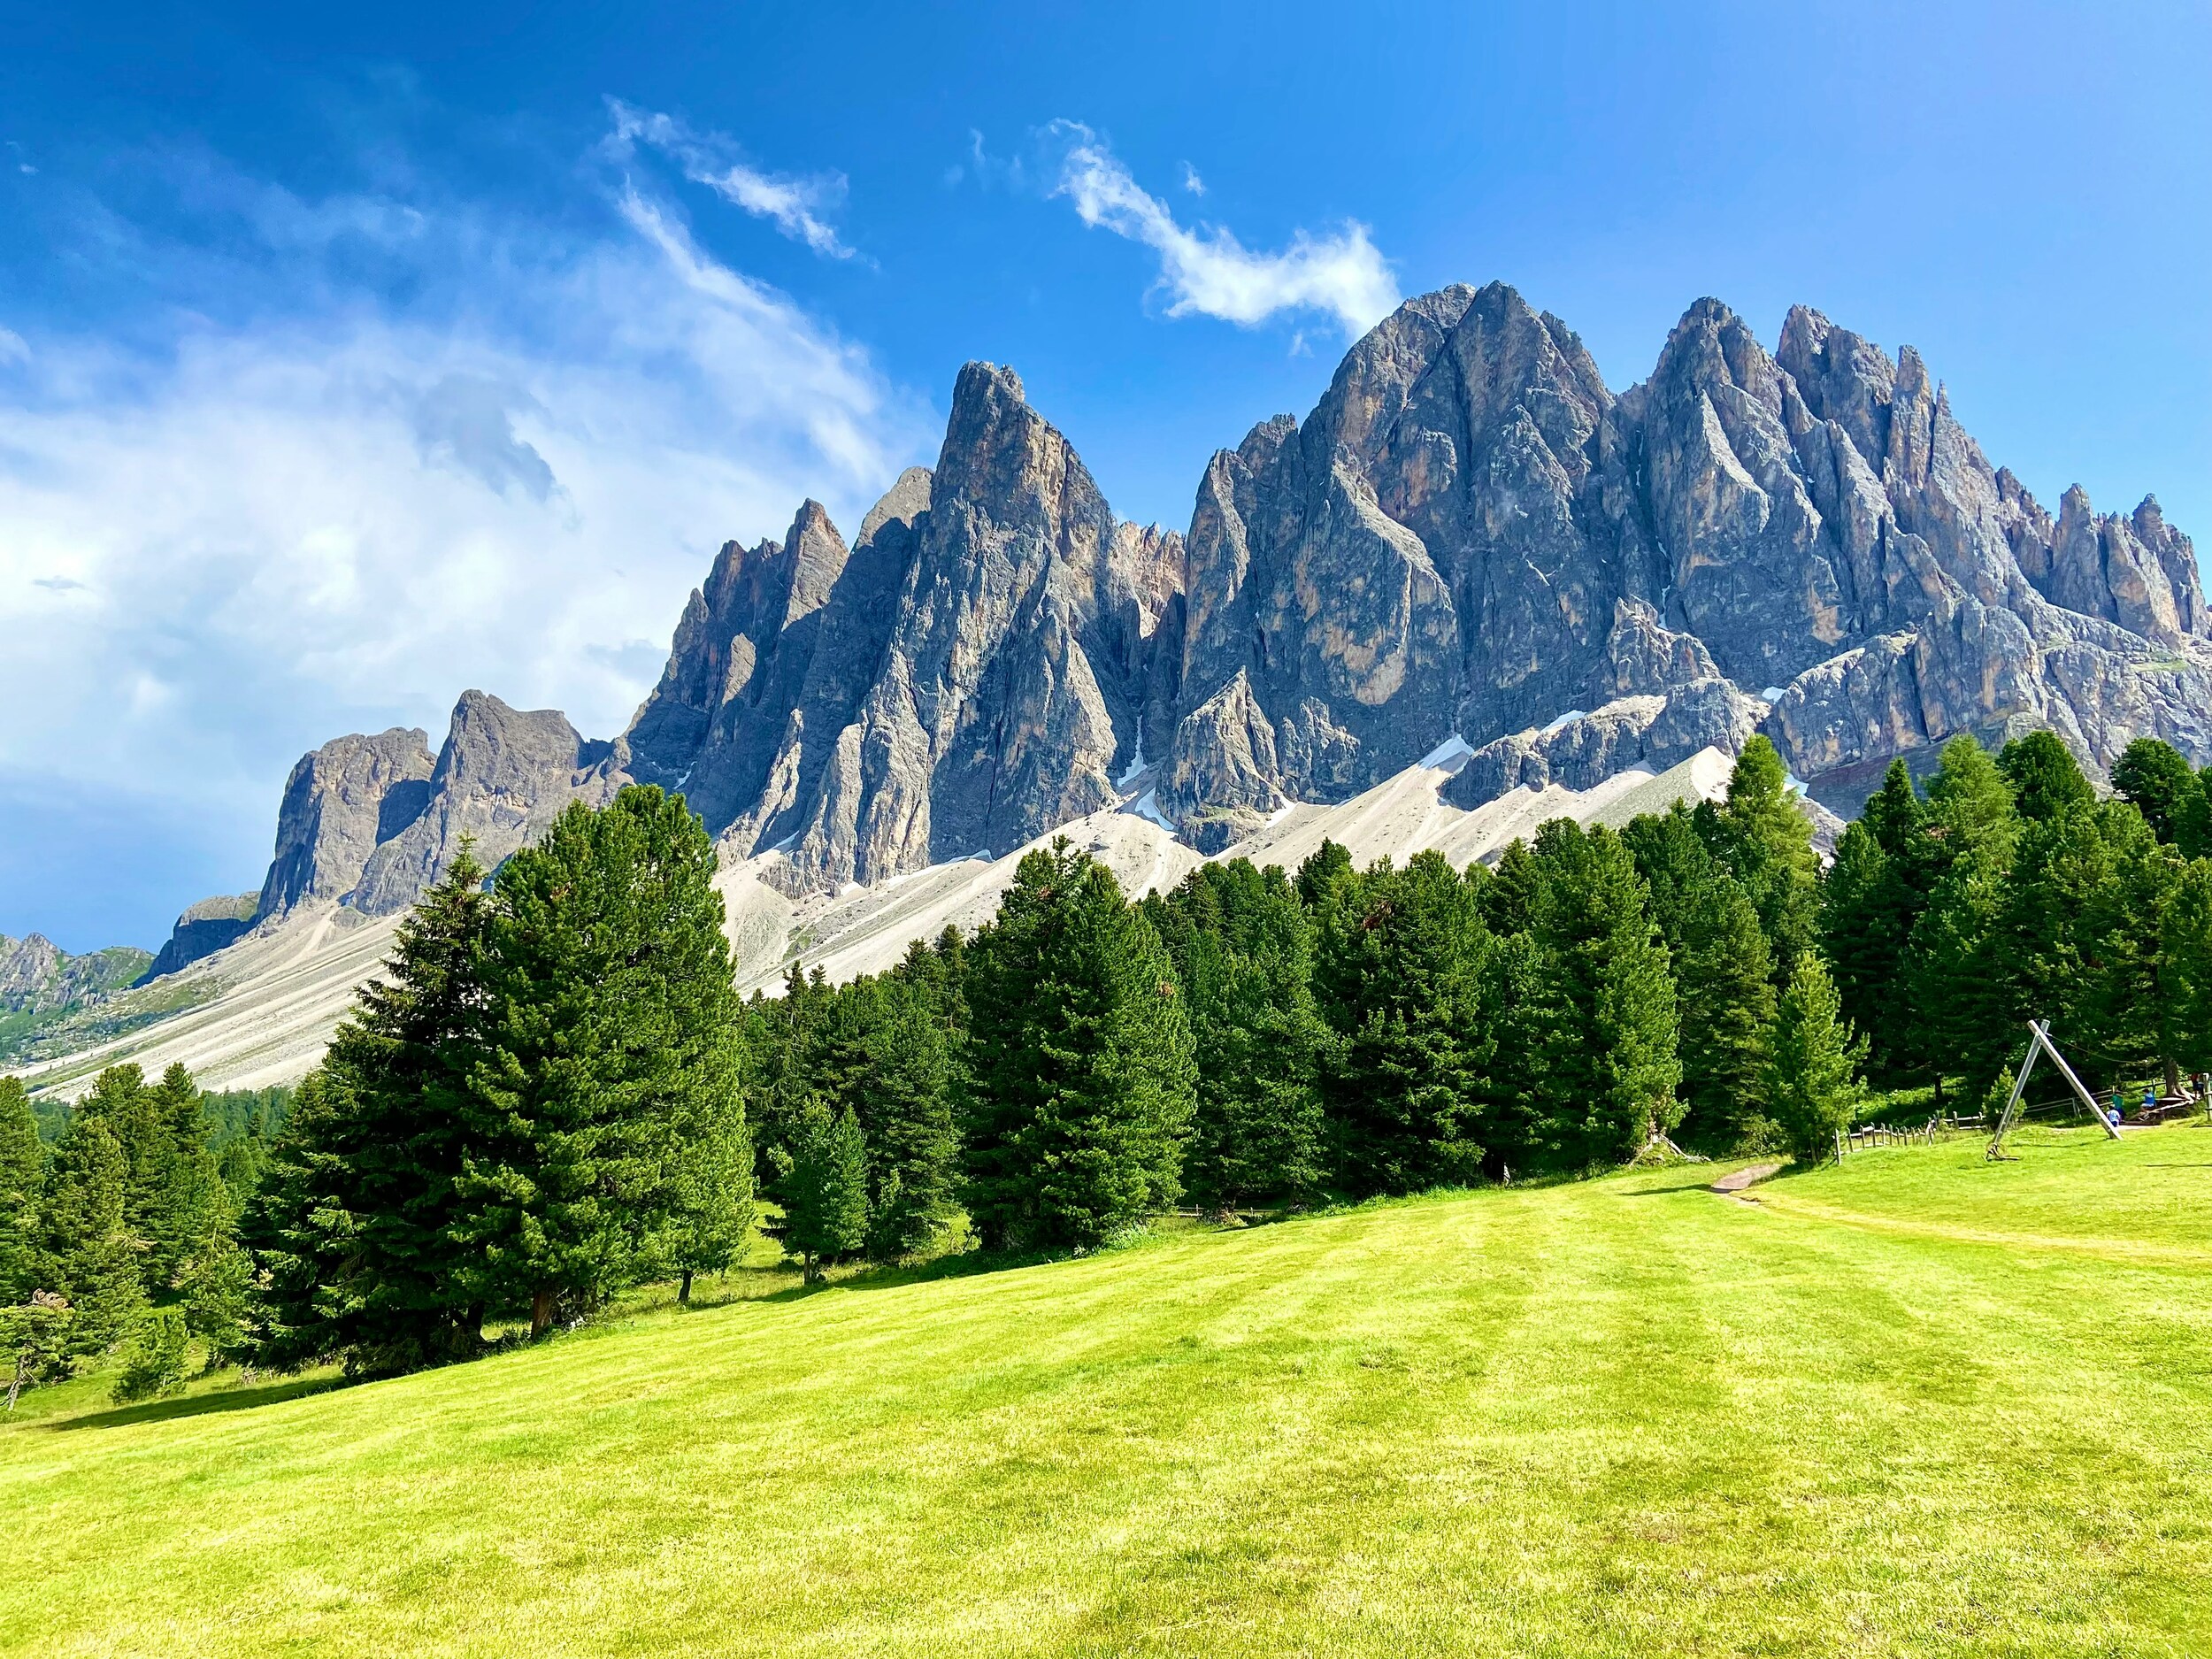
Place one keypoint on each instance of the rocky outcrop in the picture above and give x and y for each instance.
(965, 679)
(204, 929)
(340, 804)
(38, 977)
(501, 778)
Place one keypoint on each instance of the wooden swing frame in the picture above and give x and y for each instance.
(2039, 1042)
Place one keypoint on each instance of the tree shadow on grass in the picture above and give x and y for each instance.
(245, 1398)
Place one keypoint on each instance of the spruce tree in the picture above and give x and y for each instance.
(2047, 780)
(1724, 981)
(89, 1254)
(2128, 1018)
(22, 1183)
(1763, 839)
(1077, 1093)
(2153, 776)
(2186, 964)
(610, 1045)
(365, 1204)
(821, 1186)
(1954, 976)
(1609, 1065)
(1399, 980)
(1242, 945)
(905, 1110)
(1812, 1086)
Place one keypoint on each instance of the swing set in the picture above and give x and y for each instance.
(2040, 1043)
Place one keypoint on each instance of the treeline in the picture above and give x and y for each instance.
(554, 1093)
(125, 1236)
(1259, 1038)
(2010, 891)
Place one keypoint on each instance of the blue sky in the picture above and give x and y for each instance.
(349, 361)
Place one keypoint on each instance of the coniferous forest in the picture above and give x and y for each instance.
(554, 1095)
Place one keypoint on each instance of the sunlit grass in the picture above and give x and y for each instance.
(1628, 1417)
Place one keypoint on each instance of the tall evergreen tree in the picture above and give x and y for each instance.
(904, 1107)
(2153, 776)
(90, 1254)
(1077, 1093)
(2186, 964)
(364, 1212)
(1812, 1075)
(2047, 780)
(610, 1043)
(1242, 946)
(1763, 839)
(1399, 980)
(1609, 1065)
(1724, 981)
(1953, 973)
(2130, 1017)
(821, 1186)
(22, 1184)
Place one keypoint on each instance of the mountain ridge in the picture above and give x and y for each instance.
(1470, 537)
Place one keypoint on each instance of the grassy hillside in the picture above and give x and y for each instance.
(1918, 1404)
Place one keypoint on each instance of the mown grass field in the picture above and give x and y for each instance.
(1916, 1405)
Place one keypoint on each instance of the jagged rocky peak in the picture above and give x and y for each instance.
(340, 803)
(501, 777)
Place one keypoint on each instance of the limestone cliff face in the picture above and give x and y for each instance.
(340, 803)
(501, 778)
(962, 681)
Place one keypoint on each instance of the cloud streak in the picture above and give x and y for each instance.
(1205, 270)
(325, 509)
(796, 206)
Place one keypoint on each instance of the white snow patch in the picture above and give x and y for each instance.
(1136, 765)
(1772, 694)
(1791, 782)
(1147, 805)
(1453, 748)
(1563, 721)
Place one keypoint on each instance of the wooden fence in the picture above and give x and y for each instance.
(1850, 1141)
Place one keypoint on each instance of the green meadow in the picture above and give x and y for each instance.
(1917, 1404)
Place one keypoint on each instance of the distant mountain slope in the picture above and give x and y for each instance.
(46, 993)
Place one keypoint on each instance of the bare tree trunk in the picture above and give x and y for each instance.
(541, 1311)
(2173, 1076)
(683, 1291)
(15, 1385)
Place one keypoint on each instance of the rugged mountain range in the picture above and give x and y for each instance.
(1470, 538)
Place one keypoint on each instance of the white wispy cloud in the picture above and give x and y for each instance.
(1205, 269)
(336, 513)
(1192, 182)
(796, 204)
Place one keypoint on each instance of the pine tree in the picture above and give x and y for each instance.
(610, 1031)
(1610, 1059)
(1724, 981)
(2128, 1020)
(1812, 1077)
(1954, 976)
(1242, 946)
(90, 1255)
(1507, 900)
(22, 1184)
(2047, 780)
(2161, 784)
(1077, 1093)
(153, 1365)
(362, 1204)
(2185, 965)
(1398, 979)
(822, 1187)
(1766, 842)
(905, 1111)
